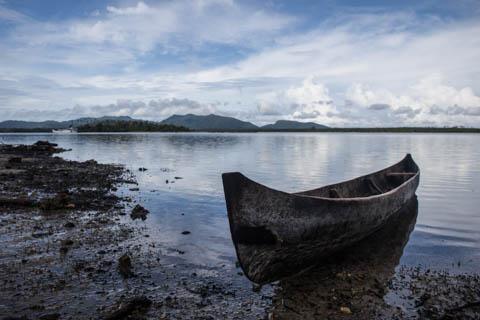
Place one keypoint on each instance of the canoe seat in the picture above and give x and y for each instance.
(333, 193)
(401, 174)
(397, 178)
(373, 186)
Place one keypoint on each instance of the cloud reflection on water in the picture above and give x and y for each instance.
(448, 222)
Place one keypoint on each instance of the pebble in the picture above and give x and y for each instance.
(345, 310)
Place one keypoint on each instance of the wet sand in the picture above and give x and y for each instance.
(70, 250)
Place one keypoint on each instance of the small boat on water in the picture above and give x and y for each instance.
(70, 130)
(278, 234)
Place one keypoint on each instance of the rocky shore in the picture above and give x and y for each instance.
(73, 247)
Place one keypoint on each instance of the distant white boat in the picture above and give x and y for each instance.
(65, 131)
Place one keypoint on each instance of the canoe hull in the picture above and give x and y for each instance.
(278, 234)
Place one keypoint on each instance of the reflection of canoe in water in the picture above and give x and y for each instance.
(278, 234)
(357, 277)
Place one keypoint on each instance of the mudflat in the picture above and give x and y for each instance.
(71, 249)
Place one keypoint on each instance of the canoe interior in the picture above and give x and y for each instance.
(372, 184)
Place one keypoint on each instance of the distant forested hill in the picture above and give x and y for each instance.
(50, 124)
(130, 126)
(293, 125)
(211, 122)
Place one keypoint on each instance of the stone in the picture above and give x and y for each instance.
(125, 266)
(139, 212)
(69, 225)
(345, 310)
(15, 160)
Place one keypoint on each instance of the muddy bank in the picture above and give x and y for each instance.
(70, 249)
(74, 248)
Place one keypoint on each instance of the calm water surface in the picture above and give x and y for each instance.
(446, 235)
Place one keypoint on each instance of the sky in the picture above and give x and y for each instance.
(339, 63)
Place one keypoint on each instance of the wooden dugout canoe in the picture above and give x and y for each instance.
(278, 234)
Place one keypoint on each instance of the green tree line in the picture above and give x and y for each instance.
(130, 126)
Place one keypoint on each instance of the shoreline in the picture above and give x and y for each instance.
(65, 230)
(329, 130)
(72, 249)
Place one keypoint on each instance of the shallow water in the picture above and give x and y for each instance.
(446, 234)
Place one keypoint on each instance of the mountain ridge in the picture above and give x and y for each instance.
(52, 124)
(278, 126)
(293, 125)
(211, 122)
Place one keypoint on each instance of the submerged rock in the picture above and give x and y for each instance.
(38, 148)
(136, 304)
(45, 146)
(139, 212)
(45, 143)
(125, 266)
(50, 316)
(67, 243)
(15, 160)
(60, 201)
(69, 225)
(256, 287)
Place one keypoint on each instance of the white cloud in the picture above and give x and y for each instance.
(154, 109)
(157, 110)
(429, 101)
(370, 67)
(309, 101)
(430, 92)
(361, 95)
(396, 50)
(140, 9)
(165, 27)
(11, 15)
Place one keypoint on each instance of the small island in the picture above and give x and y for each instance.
(130, 126)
